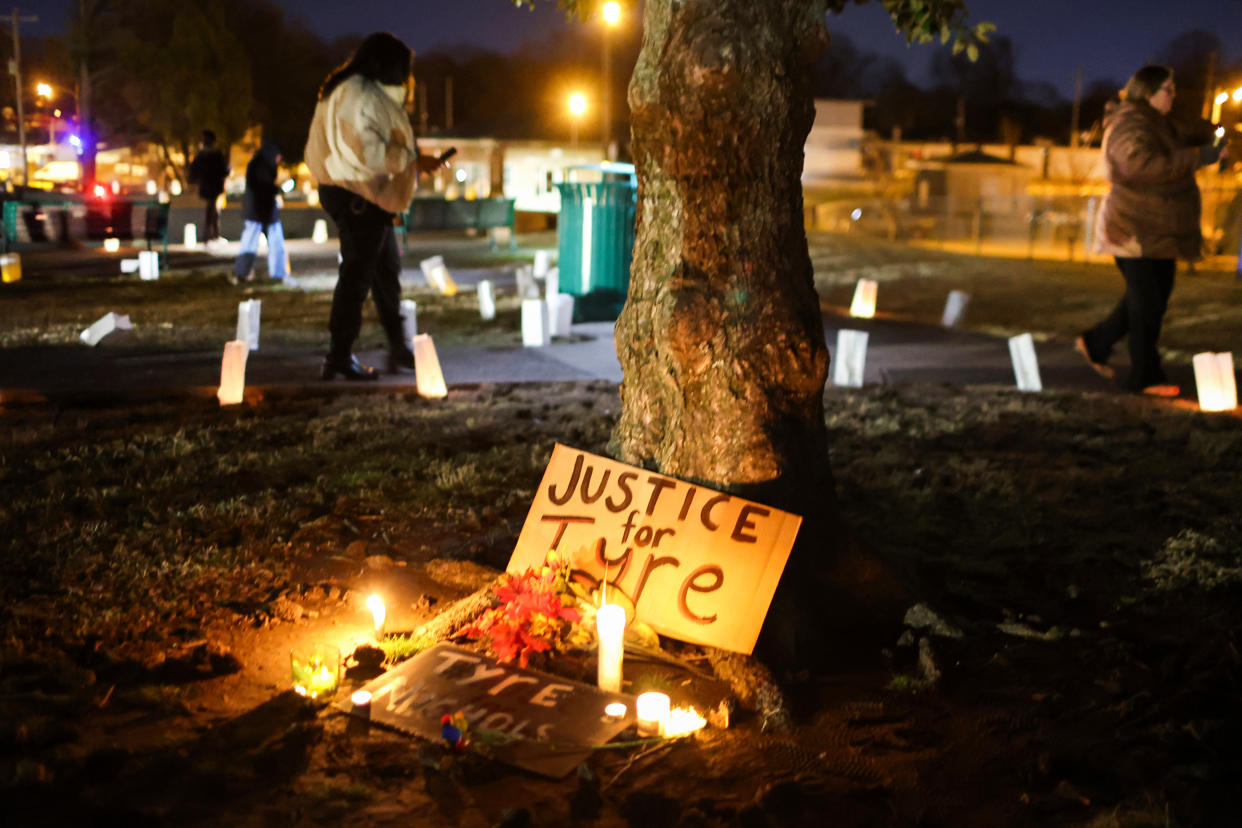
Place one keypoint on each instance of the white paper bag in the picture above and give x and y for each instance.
(850, 361)
(487, 301)
(954, 308)
(429, 378)
(103, 326)
(233, 373)
(1025, 366)
(248, 322)
(534, 323)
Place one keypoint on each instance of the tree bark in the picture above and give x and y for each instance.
(721, 339)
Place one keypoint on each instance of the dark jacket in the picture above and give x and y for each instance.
(208, 171)
(259, 203)
(1153, 207)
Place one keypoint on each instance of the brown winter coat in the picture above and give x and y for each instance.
(1152, 209)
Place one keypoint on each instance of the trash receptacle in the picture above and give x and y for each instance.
(595, 238)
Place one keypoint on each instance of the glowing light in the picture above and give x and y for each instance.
(577, 104)
(1237, 95)
(615, 710)
(43, 90)
(856, 213)
(288, 186)
(612, 12)
(360, 698)
(652, 710)
(376, 605)
(175, 187)
(116, 187)
(461, 176)
(1221, 98)
(683, 721)
(152, 189)
(112, 245)
(100, 191)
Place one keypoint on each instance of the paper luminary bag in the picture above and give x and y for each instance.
(1025, 365)
(695, 564)
(850, 361)
(427, 374)
(1215, 381)
(534, 323)
(560, 314)
(487, 300)
(105, 325)
(248, 322)
(863, 305)
(954, 308)
(409, 319)
(233, 373)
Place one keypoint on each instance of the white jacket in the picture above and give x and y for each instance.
(361, 140)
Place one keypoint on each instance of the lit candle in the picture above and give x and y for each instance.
(112, 244)
(652, 710)
(361, 698)
(316, 672)
(610, 626)
(615, 710)
(376, 605)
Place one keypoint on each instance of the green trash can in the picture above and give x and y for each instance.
(595, 238)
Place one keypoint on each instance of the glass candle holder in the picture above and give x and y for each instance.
(316, 670)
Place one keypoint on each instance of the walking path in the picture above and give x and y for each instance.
(898, 352)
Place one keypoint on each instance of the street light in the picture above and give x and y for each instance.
(577, 107)
(1222, 97)
(611, 13)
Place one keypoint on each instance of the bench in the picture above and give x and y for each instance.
(65, 220)
(427, 214)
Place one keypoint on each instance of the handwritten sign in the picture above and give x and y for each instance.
(553, 722)
(696, 564)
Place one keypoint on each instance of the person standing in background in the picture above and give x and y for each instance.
(208, 170)
(362, 153)
(1149, 220)
(261, 212)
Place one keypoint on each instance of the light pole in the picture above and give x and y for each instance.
(1222, 97)
(612, 15)
(15, 69)
(577, 106)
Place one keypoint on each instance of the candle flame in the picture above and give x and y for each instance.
(683, 721)
(376, 605)
(1220, 131)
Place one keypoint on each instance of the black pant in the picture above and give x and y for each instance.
(1137, 316)
(211, 222)
(370, 263)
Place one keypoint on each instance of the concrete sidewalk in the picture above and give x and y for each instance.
(898, 352)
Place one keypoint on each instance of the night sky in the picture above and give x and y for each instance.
(1108, 38)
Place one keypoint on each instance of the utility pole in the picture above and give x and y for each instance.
(1077, 105)
(15, 69)
(448, 103)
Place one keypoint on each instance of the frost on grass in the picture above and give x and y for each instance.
(1193, 559)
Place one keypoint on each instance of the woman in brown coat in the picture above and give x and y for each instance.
(1149, 221)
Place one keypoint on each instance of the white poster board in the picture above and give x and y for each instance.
(696, 564)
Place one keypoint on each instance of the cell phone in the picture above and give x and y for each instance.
(447, 154)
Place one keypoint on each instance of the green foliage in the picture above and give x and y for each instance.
(920, 21)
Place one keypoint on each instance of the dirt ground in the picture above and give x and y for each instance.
(1074, 660)
(1066, 652)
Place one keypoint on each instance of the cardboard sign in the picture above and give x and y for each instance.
(554, 722)
(697, 564)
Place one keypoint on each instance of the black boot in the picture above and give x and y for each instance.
(350, 369)
(400, 359)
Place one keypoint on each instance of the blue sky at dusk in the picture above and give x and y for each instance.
(1107, 38)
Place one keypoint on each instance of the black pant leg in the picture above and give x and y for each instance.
(361, 235)
(1149, 283)
(386, 291)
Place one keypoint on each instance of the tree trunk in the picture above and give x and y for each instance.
(721, 339)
